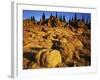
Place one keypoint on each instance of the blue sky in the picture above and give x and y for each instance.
(68, 15)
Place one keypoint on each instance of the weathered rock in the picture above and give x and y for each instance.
(49, 58)
(25, 63)
(53, 58)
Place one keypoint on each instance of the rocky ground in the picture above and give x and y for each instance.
(48, 44)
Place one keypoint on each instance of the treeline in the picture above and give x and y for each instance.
(61, 17)
(72, 21)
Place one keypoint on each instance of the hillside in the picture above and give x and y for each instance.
(55, 42)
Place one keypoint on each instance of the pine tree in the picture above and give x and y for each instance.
(32, 18)
(75, 17)
(60, 18)
(43, 16)
(51, 15)
(64, 20)
(56, 15)
(88, 23)
(72, 19)
(83, 18)
(69, 21)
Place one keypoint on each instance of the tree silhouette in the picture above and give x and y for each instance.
(51, 15)
(75, 17)
(88, 23)
(72, 19)
(56, 15)
(43, 16)
(69, 21)
(60, 18)
(64, 20)
(32, 18)
(83, 18)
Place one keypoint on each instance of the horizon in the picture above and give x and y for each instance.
(27, 14)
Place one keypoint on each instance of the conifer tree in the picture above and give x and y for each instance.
(83, 18)
(64, 20)
(87, 21)
(72, 19)
(60, 18)
(51, 15)
(43, 16)
(56, 15)
(32, 18)
(75, 17)
(69, 21)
